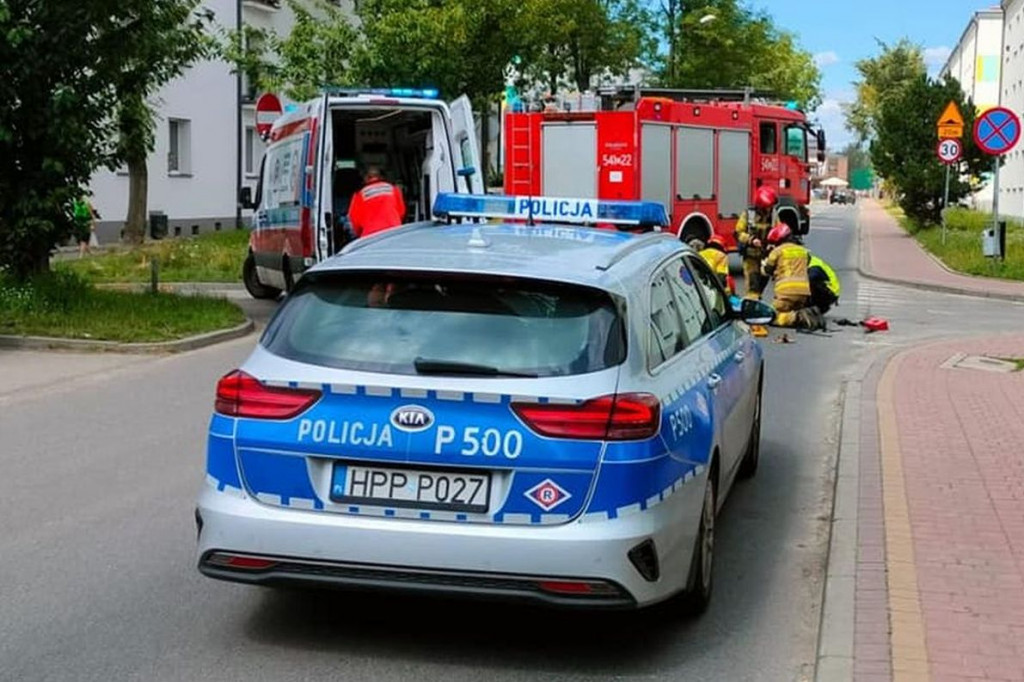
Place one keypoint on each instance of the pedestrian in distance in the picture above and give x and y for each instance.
(787, 265)
(84, 217)
(378, 206)
(751, 232)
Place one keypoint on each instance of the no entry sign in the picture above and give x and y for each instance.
(268, 110)
(997, 131)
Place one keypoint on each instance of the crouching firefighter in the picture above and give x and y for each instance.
(825, 286)
(787, 265)
(751, 232)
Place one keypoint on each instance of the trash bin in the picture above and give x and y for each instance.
(157, 224)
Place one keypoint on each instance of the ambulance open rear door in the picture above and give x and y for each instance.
(466, 151)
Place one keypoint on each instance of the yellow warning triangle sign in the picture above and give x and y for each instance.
(951, 116)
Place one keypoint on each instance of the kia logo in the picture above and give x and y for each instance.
(412, 418)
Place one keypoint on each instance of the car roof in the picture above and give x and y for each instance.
(602, 258)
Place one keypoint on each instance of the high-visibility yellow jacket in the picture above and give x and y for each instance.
(832, 282)
(719, 263)
(787, 264)
(746, 233)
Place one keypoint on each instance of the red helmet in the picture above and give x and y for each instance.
(765, 197)
(779, 233)
(717, 242)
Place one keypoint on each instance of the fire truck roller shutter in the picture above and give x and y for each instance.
(733, 172)
(656, 163)
(569, 166)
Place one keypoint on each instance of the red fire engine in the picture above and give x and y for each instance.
(702, 153)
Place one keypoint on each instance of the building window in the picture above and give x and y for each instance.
(179, 153)
(252, 152)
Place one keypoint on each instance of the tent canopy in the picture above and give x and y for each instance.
(834, 182)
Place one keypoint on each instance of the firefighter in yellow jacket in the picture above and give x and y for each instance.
(716, 255)
(751, 235)
(787, 265)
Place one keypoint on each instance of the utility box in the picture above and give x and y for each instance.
(157, 224)
(993, 241)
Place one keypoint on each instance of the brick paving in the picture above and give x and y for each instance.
(888, 252)
(940, 560)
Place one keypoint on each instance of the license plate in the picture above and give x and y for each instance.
(420, 488)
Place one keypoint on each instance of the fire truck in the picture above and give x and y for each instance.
(702, 153)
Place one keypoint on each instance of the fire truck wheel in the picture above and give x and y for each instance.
(252, 282)
(693, 229)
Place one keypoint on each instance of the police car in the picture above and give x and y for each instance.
(493, 404)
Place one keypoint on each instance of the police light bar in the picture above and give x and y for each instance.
(416, 93)
(550, 209)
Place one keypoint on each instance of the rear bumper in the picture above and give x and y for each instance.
(524, 563)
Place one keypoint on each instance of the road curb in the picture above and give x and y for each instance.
(865, 271)
(178, 346)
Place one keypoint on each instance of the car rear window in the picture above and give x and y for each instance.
(411, 323)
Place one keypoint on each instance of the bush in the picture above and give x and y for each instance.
(958, 218)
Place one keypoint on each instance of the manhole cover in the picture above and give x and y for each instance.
(981, 363)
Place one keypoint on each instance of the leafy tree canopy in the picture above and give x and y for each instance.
(882, 78)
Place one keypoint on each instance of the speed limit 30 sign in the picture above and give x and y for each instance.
(950, 150)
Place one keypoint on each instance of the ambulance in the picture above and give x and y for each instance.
(700, 153)
(316, 155)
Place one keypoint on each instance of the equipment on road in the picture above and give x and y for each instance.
(704, 154)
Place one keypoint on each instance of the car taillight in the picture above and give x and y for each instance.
(627, 416)
(242, 395)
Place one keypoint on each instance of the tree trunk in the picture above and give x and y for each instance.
(138, 195)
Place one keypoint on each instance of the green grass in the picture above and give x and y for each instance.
(961, 249)
(64, 305)
(1019, 362)
(214, 257)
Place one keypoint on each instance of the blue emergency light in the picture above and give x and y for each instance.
(550, 209)
(415, 93)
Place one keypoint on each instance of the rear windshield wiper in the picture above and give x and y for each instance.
(429, 366)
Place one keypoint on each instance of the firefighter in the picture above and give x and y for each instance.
(716, 255)
(787, 265)
(751, 234)
(377, 206)
(825, 286)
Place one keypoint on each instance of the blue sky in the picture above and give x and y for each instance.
(840, 34)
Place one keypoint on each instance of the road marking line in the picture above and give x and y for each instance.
(907, 633)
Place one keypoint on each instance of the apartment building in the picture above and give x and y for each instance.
(1011, 176)
(205, 119)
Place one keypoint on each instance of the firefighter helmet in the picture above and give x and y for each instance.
(765, 197)
(780, 233)
(716, 242)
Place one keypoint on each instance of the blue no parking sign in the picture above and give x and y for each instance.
(997, 131)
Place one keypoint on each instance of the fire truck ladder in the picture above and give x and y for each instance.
(521, 162)
(626, 93)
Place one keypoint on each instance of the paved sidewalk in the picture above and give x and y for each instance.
(889, 253)
(939, 572)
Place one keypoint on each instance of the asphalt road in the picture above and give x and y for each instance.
(97, 565)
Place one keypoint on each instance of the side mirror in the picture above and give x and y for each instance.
(821, 146)
(466, 172)
(245, 198)
(755, 312)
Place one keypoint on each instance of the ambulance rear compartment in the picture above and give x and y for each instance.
(407, 144)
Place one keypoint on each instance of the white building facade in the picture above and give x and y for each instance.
(202, 124)
(1011, 176)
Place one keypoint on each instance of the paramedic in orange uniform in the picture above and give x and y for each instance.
(377, 206)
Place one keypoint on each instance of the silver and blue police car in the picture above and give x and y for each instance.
(491, 404)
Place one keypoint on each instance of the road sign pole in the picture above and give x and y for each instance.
(945, 204)
(995, 195)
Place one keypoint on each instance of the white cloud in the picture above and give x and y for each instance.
(935, 57)
(830, 117)
(823, 59)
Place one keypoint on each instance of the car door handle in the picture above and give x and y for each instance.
(740, 356)
(713, 381)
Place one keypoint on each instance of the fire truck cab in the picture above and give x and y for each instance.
(701, 153)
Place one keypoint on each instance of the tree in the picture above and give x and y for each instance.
(316, 53)
(457, 46)
(882, 78)
(724, 44)
(857, 157)
(903, 150)
(164, 38)
(59, 120)
(576, 41)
